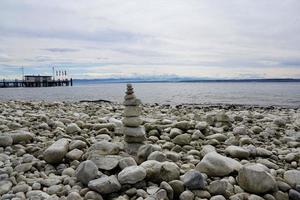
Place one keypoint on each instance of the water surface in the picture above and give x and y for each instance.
(250, 93)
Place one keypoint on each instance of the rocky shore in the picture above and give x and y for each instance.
(76, 151)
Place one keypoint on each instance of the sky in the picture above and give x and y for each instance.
(142, 38)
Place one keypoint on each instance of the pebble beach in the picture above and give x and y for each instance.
(76, 150)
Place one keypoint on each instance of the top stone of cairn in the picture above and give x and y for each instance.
(130, 99)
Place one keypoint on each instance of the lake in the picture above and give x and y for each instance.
(250, 93)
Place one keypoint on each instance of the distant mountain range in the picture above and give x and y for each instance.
(177, 79)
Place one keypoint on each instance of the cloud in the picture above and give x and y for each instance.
(61, 50)
(187, 38)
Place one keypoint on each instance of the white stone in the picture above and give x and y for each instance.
(132, 175)
(56, 152)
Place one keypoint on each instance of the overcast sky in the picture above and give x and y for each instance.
(117, 38)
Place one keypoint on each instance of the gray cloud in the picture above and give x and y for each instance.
(61, 50)
(205, 38)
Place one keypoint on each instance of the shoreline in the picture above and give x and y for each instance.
(72, 150)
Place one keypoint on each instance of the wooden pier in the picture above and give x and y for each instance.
(45, 83)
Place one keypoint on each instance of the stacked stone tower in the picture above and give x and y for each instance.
(133, 131)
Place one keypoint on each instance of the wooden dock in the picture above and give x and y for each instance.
(48, 83)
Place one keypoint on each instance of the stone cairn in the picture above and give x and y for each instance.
(133, 130)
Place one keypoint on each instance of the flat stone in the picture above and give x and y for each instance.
(255, 178)
(152, 168)
(21, 136)
(169, 171)
(214, 164)
(74, 196)
(73, 128)
(157, 155)
(5, 187)
(132, 111)
(105, 162)
(23, 167)
(105, 148)
(5, 140)
(75, 154)
(135, 139)
(86, 171)
(126, 162)
(132, 175)
(132, 102)
(56, 152)
(237, 152)
(105, 185)
(292, 177)
(182, 139)
(132, 121)
(134, 131)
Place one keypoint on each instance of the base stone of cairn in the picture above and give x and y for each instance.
(133, 131)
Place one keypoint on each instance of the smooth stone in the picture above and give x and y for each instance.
(169, 171)
(218, 197)
(294, 195)
(56, 152)
(152, 168)
(214, 164)
(5, 187)
(132, 121)
(201, 125)
(5, 140)
(145, 150)
(68, 171)
(132, 102)
(54, 189)
(166, 186)
(218, 136)
(75, 154)
(174, 132)
(237, 152)
(135, 139)
(93, 195)
(77, 144)
(105, 148)
(132, 111)
(221, 187)
(105, 185)
(183, 125)
(292, 177)
(21, 188)
(132, 175)
(207, 149)
(105, 162)
(187, 195)
(193, 180)
(73, 128)
(23, 167)
(105, 126)
(74, 196)
(86, 171)
(126, 162)
(157, 155)
(183, 139)
(134, 131)
(177, 187)
(37, 194)
(21, 136)
(256, 179)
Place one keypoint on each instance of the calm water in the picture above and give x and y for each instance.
(168, 93)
